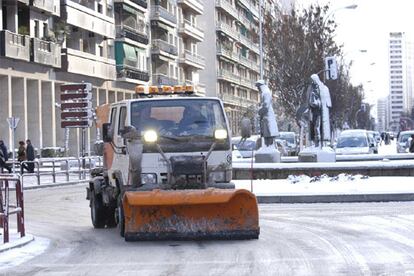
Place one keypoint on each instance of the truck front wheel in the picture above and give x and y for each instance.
(120, 217)
(98, 214)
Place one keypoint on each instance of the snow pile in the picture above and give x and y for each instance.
(343, 177)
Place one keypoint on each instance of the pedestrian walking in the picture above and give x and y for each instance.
(30, 154)
(21, 156)
(4, 157)
(412, 144)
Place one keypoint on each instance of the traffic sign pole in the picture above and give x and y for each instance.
(13, 122)
(77, 112)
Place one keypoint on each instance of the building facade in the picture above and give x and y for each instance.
(113, 44)
(232, 48)
(382, 114)
(400, 78)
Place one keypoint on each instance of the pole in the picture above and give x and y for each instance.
(13, 151)
(83, 146)
(261, 38)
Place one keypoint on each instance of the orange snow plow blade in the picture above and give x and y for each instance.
(191, 215)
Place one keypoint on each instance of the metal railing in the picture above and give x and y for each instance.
(53, 163)
(7, 208)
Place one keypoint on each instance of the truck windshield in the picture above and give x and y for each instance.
(179, 119)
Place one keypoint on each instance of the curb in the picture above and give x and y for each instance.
(336, 198)
(51, 185)
(18, 243)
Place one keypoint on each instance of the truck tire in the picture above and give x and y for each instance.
(110, 216)
(98, 212)
(120, 217)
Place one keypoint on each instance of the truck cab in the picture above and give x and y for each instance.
(185, 128)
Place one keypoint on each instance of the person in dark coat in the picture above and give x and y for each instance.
(30, 154)
(412, 144)
(21, 156)
(4, 157)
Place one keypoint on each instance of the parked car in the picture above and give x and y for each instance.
(377, 136)
(355, 141)
(373, 142)
(403, 141)
(291, 143)
(245, 149)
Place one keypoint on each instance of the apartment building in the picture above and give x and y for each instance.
(400, 53)
(382, 114)
(113, 44)
(232, 48)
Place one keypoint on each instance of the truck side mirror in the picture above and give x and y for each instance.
(246, 128)
(130, 132)
(107, 132)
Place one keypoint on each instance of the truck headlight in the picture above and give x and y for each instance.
(148, 178)
(217, 176)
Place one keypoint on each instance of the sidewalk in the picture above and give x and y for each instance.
(304, 189)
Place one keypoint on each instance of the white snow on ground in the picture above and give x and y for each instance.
(16, 256)
(338, 165)
(371, 185)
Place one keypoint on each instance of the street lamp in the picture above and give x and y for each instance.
(350, 7)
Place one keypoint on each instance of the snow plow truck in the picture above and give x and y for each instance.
(167, 170)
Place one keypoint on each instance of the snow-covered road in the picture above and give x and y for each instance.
(299, 239)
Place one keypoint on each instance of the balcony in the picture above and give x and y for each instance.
(227, 29)
(130, 73)
(161, 47)
(249, 44)
(196, 5)
(88, 19)
(141, 3)
(237, 101)
(188, 29)
(161, 79)
(221, 51)
(228, 76)
(192, 59)
(160, 13)
(78, 62)
(251, 7)
(49, 6)
(225, 5)
(46, 52)
(249, 64)
(247, 83)
(135, 34)
(14, 45)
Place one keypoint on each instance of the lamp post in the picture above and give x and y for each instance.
(261, 38)
(350, 7)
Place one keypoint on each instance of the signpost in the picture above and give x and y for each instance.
(13, 122)
(77, 112)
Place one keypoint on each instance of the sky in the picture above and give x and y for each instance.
(367, 28)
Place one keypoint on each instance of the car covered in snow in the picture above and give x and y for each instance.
(246, 148)
(292, 145)
(354, 141)
(403, 142)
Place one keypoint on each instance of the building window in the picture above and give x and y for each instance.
(36, 28)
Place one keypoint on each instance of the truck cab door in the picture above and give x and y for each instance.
(121, 159)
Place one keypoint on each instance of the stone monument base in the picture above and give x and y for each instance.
(267, 154)
(317, 154)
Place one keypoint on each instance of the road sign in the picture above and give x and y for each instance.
(13, 122)
(76, 124)
(76, 105)
(87, 114)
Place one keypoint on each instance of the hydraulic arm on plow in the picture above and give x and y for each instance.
(167, 171)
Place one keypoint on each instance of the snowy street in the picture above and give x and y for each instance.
(304, 239)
